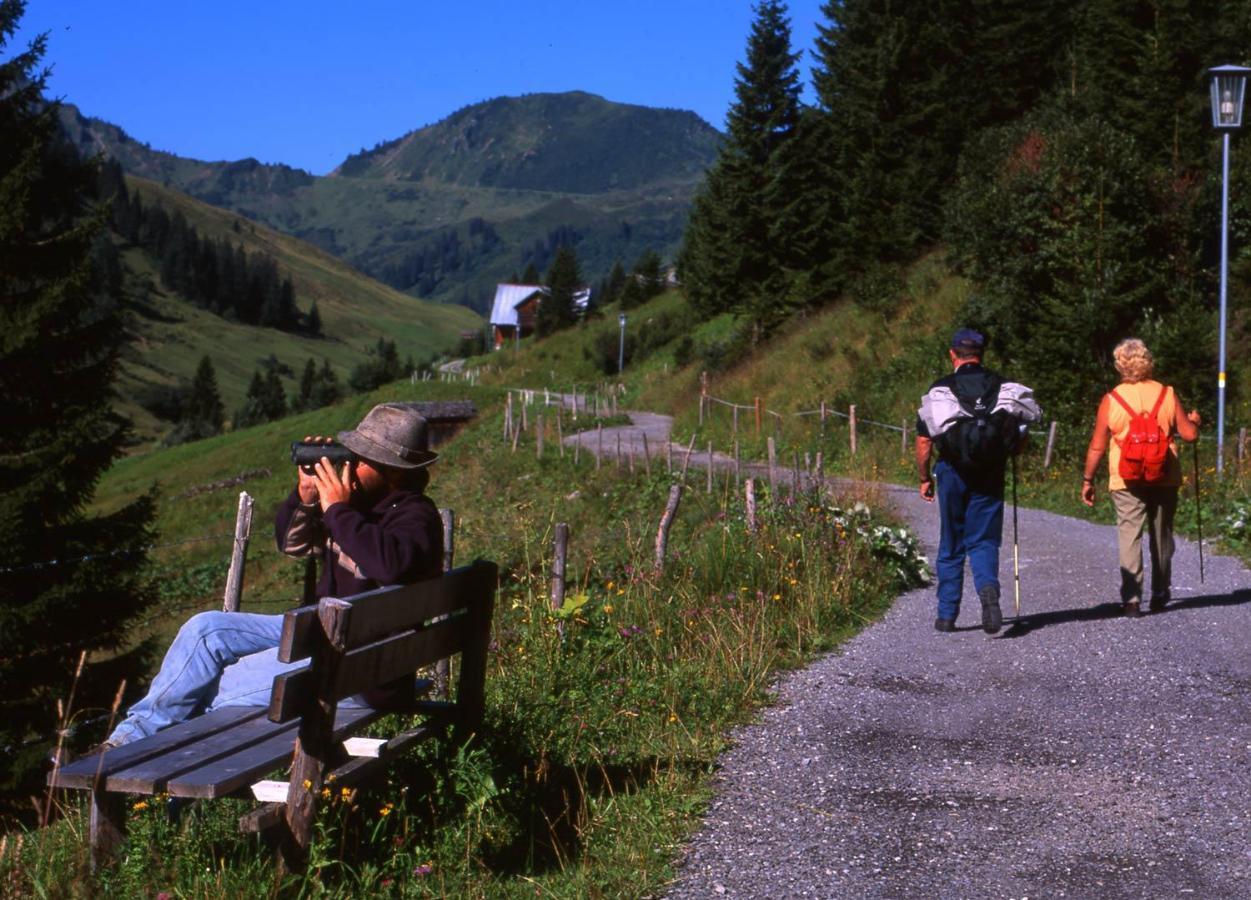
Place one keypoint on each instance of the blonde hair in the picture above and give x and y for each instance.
(1133, 360)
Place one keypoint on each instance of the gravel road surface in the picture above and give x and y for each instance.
(1075, 754)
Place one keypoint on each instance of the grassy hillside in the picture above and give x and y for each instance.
(615, 179)
(169, 335)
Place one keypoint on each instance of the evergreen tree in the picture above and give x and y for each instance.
(314, 320)
(308, 383)
(382, 367)
(531, 275)
(204, 407)
(265, 400)
(728, 261)
(556, 309)
(57, 366)
(326, 390)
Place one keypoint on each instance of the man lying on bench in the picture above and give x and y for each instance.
(372, 524)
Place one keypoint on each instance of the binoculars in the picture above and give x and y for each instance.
(305, 454)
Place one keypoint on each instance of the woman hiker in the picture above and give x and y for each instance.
(1140, 415)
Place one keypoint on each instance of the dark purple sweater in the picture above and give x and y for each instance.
(396, 541)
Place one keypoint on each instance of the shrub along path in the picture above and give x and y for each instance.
(1076, 753)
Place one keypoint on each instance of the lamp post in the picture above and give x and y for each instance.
(621, 319)
(1229, 86)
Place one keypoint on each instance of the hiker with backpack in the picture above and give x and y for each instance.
(977, 420)
(1134, 426)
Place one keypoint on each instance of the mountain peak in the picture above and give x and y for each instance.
(573, 142)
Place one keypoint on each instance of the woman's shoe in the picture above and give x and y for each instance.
(1132, 609)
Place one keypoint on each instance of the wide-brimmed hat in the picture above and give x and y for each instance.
(391, 435)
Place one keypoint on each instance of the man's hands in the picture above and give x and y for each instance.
(927, 490)
(324, 486)
(1088, 492)
(332, 487)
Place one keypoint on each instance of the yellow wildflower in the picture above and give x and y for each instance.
(608, 608)
(142, 804)
(659, 631)
(308, 785)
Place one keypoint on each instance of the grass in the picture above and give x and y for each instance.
(605, 717)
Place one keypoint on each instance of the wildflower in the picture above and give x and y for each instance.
(620, 591)
(142, 804)
(609, 586)
(325, 793)
(308, 785)
(659, 631)
(330, 778)
(385, 810)
(423, 869)
(777, 596)
(608, 609)
(672, 718)
(345, 793)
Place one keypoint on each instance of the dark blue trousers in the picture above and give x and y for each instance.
(972, 526)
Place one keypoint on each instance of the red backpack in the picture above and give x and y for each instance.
(1144, 451)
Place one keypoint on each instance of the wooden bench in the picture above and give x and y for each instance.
(354, 644)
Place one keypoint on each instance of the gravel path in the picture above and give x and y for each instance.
(1075, 754)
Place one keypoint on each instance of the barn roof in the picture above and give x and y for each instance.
(507, 298)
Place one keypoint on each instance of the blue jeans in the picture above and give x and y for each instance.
(972, 526)
(218, 659)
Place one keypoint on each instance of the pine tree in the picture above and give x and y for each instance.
(556, 309)
(314, 320)
(265, 400)
(326, 390)
(728, 261)
(308, 383)
(57, 366)
(531, 275)
(204, 406)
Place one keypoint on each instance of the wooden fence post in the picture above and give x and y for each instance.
(1051, 442)
(647, 454)
(538, 435)
(738, 472)
(750, 491)
(443, 668)
(239, 555)
(560, 432)
(709, 488)
(735, 431)
(669, 456)
(794, 474)
(524, 423)
(821, 468)
(759, 405)
(560, 551)
(773, 462)
(666, 520)
(851, 427)
(903, 441)
(599, 445)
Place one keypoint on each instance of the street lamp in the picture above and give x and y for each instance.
(621, 345)
(1229, 86)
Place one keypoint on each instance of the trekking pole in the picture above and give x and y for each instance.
(1198, 511)
(1016, 563)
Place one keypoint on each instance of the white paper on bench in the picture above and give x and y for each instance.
(361, 746)
(270, 791)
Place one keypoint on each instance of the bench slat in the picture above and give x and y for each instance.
(236, 771)
(390, 609)
(82, 772)
(153, 775)
(376, 614)
(366, 667)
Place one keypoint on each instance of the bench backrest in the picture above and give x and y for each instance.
(361, 642)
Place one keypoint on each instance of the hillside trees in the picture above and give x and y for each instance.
(1074, 243)
(73, 581)
(200, 412)
(564, 280)
(729, 260)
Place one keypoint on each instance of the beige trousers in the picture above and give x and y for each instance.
(1151, 508)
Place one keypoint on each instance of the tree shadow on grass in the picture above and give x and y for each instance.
(1023, 625)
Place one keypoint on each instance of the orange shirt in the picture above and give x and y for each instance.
(1141, 396)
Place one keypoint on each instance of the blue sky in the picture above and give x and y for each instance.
(307, 83)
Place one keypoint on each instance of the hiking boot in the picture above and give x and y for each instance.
(992, 617)
(941, 624)
(1132, 609)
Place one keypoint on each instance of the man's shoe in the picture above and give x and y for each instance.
(1158, 602)
(1132, 609)
(992, 617)
(941, 624)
